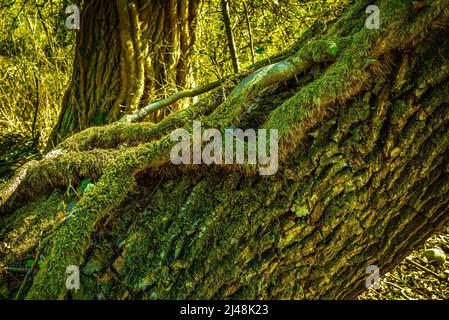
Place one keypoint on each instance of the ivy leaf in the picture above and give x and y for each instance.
(301, 211)
(333, 48)
(368, 61)
(62, 206)
(85, 185)
(260, 50)
(29, 263)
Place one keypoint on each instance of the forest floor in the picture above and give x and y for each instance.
(411, 281)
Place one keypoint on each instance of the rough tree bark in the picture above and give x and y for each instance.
(128, 53)
(363, 124)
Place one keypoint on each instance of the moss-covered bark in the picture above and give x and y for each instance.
(363, 123)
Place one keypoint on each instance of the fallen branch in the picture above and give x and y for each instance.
(401, 290)
(30, 271)
(16, 269)
(170, 100)
(419, 266)
(250, 34)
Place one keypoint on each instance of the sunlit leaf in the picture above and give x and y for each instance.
(85, 185)
(333, 48)
(29, 263)
(62, 206)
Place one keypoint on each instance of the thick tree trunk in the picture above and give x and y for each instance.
(363, 124)
(128, 53)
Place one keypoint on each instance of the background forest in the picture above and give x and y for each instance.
(36, 61)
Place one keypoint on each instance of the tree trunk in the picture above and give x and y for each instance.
(363, 123)
(128, 53)
(229, 35)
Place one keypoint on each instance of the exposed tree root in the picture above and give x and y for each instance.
(52, 172)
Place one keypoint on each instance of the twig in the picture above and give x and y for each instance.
(47, 33)
(218, 74)
(69, 215)
(416, 264)
(30, 271)
(16, 269)
(229, 35)
(250, 32)
(36, 110)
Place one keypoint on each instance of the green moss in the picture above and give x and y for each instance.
(23, 230)
(184, 223)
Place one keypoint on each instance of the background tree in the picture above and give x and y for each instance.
(230, 35)
(36, 61)
(127, 51)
